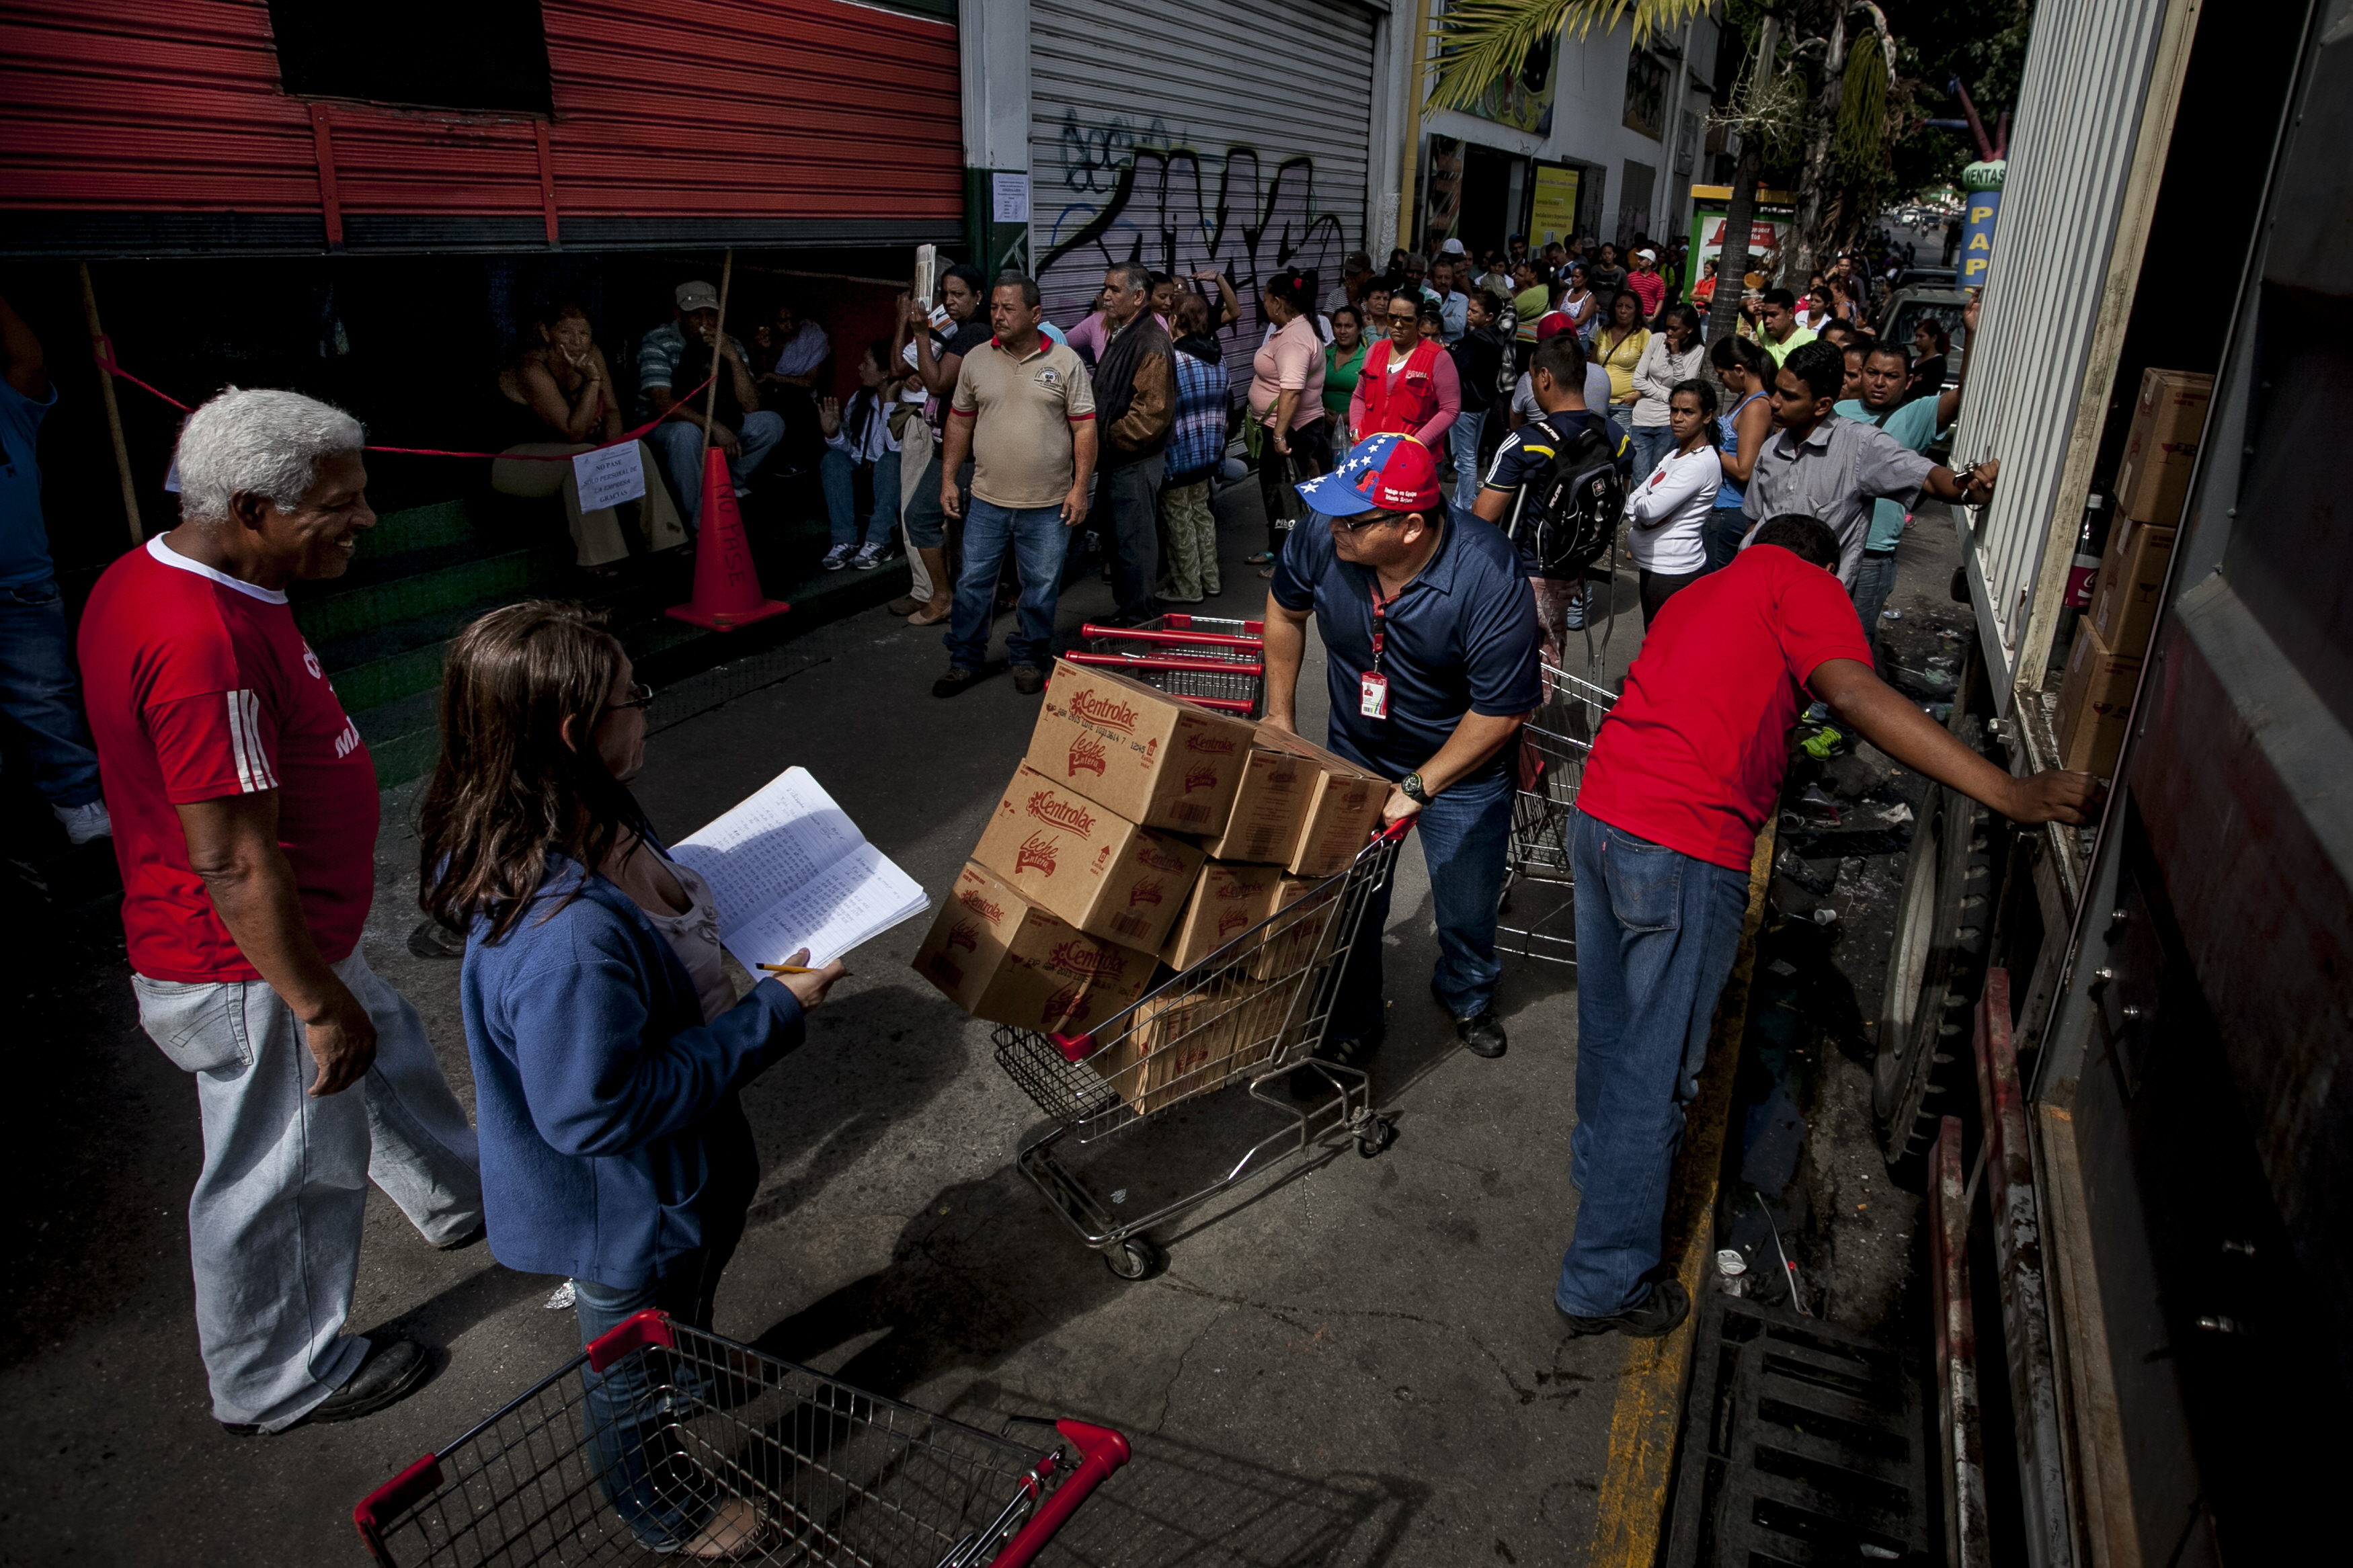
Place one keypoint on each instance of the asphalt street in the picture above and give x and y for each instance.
(1355, 1361)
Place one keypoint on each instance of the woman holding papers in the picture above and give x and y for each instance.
(608, 1045)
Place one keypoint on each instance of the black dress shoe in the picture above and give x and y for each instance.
(1657, 1313)
(955, 682)
(1307, 1083)
(391, 1371)
(1028, 680)
(459, 1243)
(1483, 1036)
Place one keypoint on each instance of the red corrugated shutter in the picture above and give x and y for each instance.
(790, 120)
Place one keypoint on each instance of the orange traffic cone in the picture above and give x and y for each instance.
(726, 585)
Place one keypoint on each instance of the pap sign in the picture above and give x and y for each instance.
(1982, 182)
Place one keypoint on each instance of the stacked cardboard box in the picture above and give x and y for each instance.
(2152, 483)
(1140, 829)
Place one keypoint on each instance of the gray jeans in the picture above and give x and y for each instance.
(274, 1221)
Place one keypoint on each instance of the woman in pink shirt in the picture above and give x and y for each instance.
(1286, 400)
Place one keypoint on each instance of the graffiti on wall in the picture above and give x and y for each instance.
(1162, 206)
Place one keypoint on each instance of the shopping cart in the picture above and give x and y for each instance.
(836, 1476)
(1554, 747)
(1218, 664)
(1251, 1012)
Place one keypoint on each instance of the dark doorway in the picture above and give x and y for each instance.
(1487, 216)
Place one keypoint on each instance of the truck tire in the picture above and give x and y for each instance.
(1935, 969)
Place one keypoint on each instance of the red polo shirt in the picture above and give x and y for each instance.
(200, 686)
(1693, 756)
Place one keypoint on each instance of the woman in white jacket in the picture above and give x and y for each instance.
(1667, 513)
(1673, 357)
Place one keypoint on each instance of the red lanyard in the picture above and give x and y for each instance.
(1380, 623)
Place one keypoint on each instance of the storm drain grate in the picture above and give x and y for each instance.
(1802, 1444)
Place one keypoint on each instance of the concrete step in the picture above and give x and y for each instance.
(417, 528)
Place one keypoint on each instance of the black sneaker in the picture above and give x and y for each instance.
(1483, 1036)
(1657, 1313)
(955, 682)
(391, 1371)
(1306, 1083)
(1028, 680)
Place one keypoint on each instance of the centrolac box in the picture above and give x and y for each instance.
(1154, 759)
(1343, 808)
(1002, 958)
(1268, 806)
(1087, 863)
(2095, 703)
(1227, 900)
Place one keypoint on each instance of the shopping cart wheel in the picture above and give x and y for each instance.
(1134, 1258)
(1375, 1135)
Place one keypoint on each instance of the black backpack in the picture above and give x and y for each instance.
(1570, 513)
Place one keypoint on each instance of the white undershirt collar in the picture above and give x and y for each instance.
(171, 557)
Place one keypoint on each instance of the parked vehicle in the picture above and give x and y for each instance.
(2141, 1037)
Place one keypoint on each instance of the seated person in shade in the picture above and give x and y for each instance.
(562, 402)
(675, 359)
(861, 456)
(797, 371)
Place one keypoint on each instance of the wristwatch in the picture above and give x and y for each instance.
(1415, 790)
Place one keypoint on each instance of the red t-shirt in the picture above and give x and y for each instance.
(200, 687)
(1693, 756)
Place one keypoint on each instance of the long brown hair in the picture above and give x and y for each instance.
(508, 791)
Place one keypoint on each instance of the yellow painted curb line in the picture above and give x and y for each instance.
(1631, 1510)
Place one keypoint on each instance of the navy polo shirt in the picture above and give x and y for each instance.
(1462, 638)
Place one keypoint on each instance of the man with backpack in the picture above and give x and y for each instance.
(1430, 641)
(1558, 487)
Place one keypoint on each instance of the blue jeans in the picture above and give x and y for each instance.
(1873, 579)
(39, 691)
(837, 472)
(631, 1405)
(1037, 539)
(680, 442)
(1128, 499)
(1468, 425)
(1656, 933)
(1463, 832)
(1652, 442)
(1727, 525)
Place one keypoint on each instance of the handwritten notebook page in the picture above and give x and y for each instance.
(789, 869)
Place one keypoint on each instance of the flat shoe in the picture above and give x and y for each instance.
(923, 618)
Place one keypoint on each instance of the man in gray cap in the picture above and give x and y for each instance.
(675, 359)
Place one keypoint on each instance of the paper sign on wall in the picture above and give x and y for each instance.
(610, 476)
(1012, 193)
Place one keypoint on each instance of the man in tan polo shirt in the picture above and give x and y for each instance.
(1025, 412)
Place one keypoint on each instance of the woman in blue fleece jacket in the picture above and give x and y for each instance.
(607, 1044)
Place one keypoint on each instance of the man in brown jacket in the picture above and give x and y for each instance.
(1135, 403)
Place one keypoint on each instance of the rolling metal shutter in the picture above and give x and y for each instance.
(1221, 134)
(2095, 115)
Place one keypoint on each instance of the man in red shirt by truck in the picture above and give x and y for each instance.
(1684, 771)
(245, 822)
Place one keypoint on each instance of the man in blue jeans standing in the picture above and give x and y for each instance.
(38, 690)
(1025, 412)
(1429, 640)
(1683, 773)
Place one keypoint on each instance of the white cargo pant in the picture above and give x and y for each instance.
(274, 1221)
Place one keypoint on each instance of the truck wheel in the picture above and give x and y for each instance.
(1935, 969)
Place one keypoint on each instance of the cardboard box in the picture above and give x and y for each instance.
(2167, 418)
(1343, 808)
(1154, 759)
(1228, 900)
(2131, 575)
(1002, 958)
(1088, 863)
(2095, 703)
(1268, 806)
(1194, 1041)
(1295, 945)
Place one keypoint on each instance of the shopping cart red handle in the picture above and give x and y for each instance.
(1101, 1451)
(1172, 638)
(1396, 831)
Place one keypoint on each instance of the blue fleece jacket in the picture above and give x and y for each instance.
(612, 1141)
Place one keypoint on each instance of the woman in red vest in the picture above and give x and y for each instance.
(1409, 385)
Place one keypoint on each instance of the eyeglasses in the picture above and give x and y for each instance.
(1370, 520)
(1398, 320)
(641, 696)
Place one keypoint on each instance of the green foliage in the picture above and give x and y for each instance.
(1983, 42)
(1483, 42)
(1860, 144)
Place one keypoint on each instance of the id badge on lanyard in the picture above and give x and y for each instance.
(1372, 685)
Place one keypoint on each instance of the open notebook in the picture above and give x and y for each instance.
(789, 870)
